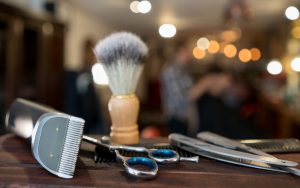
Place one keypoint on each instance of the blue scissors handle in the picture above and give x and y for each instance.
(164, 155)
(130, 164)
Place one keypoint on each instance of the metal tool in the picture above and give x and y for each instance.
(274, 145)
(55, 137)
(228, 143)
(228, 155)
(155, 156)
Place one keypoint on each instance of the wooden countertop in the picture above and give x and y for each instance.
(19, 168)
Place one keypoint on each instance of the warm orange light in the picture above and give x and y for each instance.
(296, 32)
(245, 55)
(231, 35)
(222, 46)
(213, 47)
(230, 50)
(255, 54)
(198, 53)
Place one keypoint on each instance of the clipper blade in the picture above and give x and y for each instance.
(55, 142)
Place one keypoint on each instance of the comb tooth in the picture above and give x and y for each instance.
(104, 155)
(71, 147)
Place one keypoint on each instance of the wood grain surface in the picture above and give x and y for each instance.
(18, 168)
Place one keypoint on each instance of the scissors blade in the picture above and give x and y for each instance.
(113, 147)
(178, 140)
(91, 140)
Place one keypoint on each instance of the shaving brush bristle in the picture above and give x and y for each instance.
(122, 56)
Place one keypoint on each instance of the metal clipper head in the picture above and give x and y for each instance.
(55, 137)
(55, 143)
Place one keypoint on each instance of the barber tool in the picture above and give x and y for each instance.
(102, 155)
(55, 137)
(231, 144)
(228, 155)
(277, 145)
(130, 163)
(122, 54)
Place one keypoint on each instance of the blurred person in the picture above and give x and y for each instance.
(190, 107)
(179, 93)
(81, 98)
(227, 108)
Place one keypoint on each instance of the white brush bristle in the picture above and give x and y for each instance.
(122, 54)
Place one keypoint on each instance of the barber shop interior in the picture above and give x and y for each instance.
(104, 92)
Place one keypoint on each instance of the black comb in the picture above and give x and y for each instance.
(102, 155)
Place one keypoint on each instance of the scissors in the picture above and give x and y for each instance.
(155, 156)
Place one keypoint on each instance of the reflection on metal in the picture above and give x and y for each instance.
(24, 126)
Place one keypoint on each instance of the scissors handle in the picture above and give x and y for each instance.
(131, 163)
(164, 155)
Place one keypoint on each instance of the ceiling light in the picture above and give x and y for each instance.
(203, 43)
(134, 6)
(292, 13)
(295, 64)
(144, 7)
(167, 30)
(274, 67)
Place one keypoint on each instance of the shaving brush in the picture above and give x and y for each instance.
(122, 56)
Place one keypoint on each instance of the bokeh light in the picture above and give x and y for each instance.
(198, 53)
(245, 55)
(274, 67)
(203, 43)
(296, 32)
(144, 7)
(167, 30)
(134, 6)
(99, 75)
(214, 47)
(255, 54)
(231, 35)
(295, 64)
(230, 50)
(292, 13)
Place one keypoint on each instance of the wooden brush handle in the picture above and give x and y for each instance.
(124, 113)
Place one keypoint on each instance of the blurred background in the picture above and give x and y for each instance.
(46, 55)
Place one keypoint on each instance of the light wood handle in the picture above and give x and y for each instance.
(124, 113)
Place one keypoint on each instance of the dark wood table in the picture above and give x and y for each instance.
(19, 168)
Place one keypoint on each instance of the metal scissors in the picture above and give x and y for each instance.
(161, 156)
